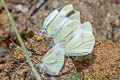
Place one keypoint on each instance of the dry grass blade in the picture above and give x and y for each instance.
(38, 77)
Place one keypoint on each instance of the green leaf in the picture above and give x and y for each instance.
(86, 78)
(74, 76)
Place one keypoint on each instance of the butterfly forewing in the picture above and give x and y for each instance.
(66, 31)
(49, 18)
(76, 16)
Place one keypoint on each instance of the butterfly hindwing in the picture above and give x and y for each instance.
(82, 42)
(53, 61)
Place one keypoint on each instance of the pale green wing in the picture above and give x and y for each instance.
(67, 8)
(53, 61)
(57, 22)
(67, 28)
(76, 15)
(78, 46)
(52, 16)
(59, 18)
(82, 42)
(56, 17)
(64, 34)
(86, 26)
(47, 21)
(49, 18)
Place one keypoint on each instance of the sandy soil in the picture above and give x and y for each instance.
(102, 64)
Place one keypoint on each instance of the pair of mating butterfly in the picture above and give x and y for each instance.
(70, 37)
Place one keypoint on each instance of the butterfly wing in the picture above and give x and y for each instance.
(57, 21)
(65, 32)
(53, 61)
(52, 16)
(57, 17)
(75, 15)
(49, 18)
(68, 21)
(47, 21)
(86, 26)
(82, 42)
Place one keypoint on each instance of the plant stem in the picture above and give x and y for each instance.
(3, 37)
(38, 77)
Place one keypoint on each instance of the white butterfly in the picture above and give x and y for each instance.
(71, 38)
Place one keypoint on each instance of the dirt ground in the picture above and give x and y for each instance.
(102, 64)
